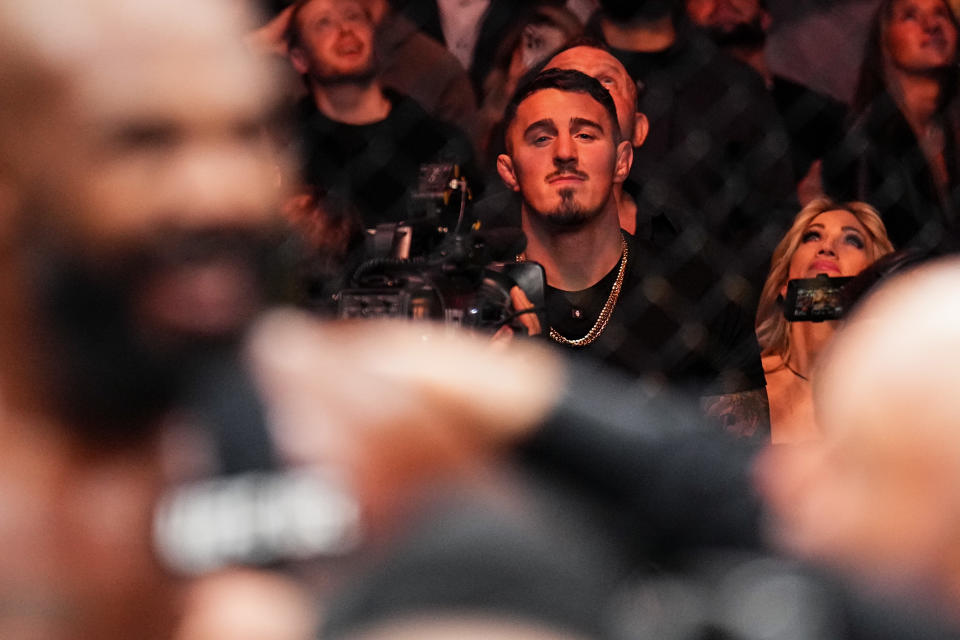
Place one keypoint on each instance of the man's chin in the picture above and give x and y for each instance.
(360, 76)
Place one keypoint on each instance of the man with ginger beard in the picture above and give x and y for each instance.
(357, 138)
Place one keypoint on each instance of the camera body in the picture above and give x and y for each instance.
(441, 265)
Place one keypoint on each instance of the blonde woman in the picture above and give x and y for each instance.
(826, 238)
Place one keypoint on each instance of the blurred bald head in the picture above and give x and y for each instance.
(880, 496)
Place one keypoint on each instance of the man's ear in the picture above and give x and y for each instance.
(507, 173)
(641, 128)
(298, 58)
(624, 161)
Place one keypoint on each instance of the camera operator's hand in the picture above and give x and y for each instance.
(395, 404)
(529, 321)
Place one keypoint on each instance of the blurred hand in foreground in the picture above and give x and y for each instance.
(396, 405)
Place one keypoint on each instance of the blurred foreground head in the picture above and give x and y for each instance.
(136, 185)
(880, 496)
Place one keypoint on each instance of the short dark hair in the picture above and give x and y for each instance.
(563, 80)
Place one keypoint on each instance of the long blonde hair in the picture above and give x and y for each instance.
(772, 327)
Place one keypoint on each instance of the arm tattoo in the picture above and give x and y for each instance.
(745, 414)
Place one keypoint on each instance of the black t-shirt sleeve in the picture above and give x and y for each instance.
(736, 352)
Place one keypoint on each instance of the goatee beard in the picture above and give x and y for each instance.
(568, 216)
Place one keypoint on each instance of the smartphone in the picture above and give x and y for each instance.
(815, 299)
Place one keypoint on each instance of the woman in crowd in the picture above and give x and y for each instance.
(826, 238)
(901, 151)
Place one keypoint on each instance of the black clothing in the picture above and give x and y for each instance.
(814, 122)
(881, 162)
(680, 490)
(716, 146)
(673, 324)
(376, 166)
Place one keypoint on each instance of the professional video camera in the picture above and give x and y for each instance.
(440, 264)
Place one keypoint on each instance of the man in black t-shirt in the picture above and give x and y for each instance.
(813, 121)
(717, 146)
(358, 139)
(661, 316)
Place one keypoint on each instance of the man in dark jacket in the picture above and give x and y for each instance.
(813, 120)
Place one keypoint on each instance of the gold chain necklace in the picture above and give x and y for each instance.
(607, 310)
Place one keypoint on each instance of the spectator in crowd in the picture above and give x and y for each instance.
(838, 240)
(614, 297)
(901, 152)
(359, 139)
(474, 29)
(408, 61)
(637, 215)
(591, 57)
(138, 197)
(717, 147)
(814, 121)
